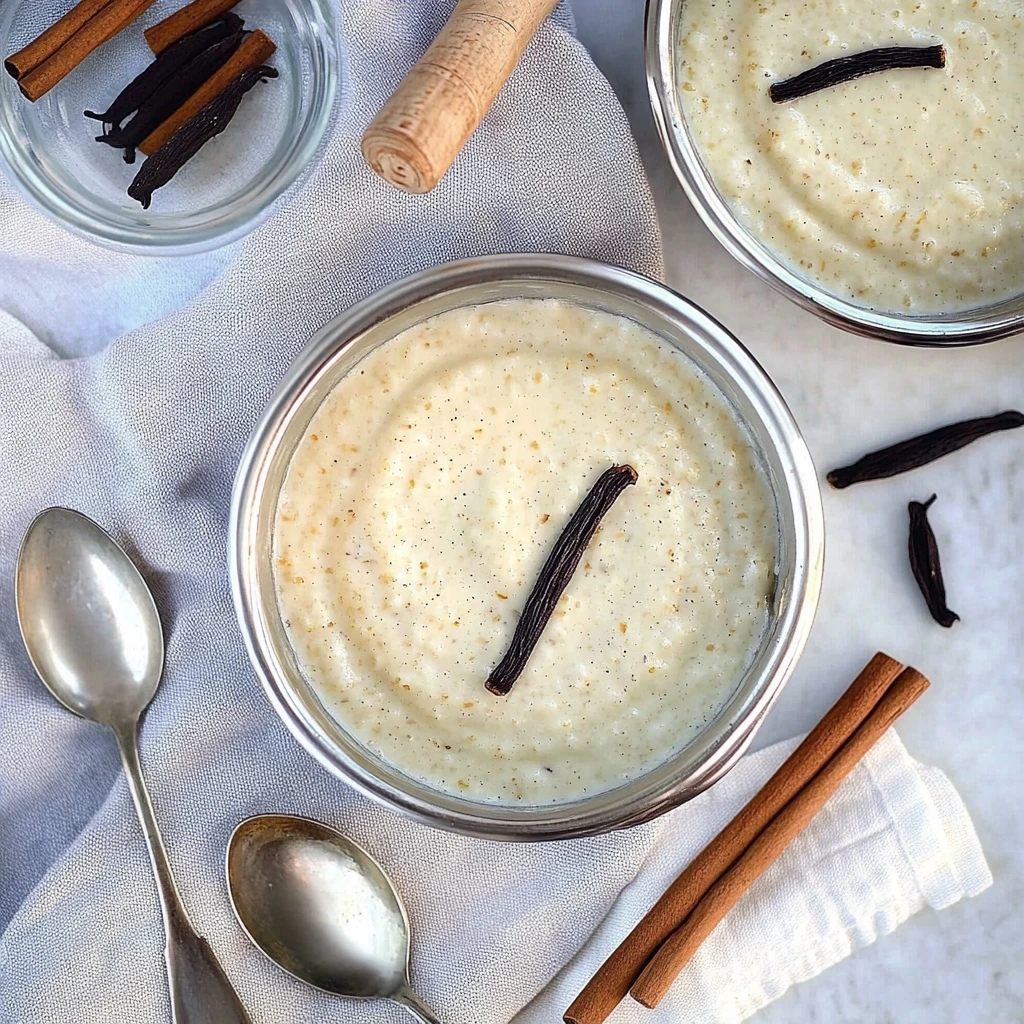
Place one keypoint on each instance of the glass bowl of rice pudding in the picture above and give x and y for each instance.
(406, 484)
(891, 205)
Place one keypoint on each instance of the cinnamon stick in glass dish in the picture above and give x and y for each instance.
(254, 51)
(46, 45)
(183, 22)
(165, 163)
(106, 23)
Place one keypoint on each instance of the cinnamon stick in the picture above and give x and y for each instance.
(183, 22)
(110, 19)
(46, 45)
(613, 979)
(256, 48)
(659, 974)
(165, 163)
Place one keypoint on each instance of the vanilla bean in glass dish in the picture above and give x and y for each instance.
(168, 65)
(196, 132)
(448, 445)
(178, 73)
(187, 96)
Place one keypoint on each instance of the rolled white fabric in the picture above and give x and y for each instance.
(894, 839)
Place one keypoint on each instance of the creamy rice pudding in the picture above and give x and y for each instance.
(901, 190)
(423, 499)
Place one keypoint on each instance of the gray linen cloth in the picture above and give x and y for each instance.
(127, 389)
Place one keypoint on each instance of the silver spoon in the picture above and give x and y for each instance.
(92, 631)
(322, 908)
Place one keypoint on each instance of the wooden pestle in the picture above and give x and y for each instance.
(418, 133)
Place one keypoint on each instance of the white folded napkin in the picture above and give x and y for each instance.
(894, 839)
(143, 430)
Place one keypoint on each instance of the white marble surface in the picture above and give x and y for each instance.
(850, 395)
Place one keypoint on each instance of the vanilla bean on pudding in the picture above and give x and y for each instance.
(844, 69)
(423, 500)
(555, 576)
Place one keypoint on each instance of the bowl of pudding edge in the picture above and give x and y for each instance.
(890, 205)
(404, 486)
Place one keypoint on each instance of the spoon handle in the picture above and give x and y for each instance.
(200, 991)
(419, 1009)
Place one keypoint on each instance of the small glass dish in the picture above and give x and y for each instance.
(48, 148)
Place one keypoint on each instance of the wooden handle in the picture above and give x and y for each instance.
(420, 130)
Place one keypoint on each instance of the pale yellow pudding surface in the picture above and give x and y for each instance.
(901, 190)
(426, 494)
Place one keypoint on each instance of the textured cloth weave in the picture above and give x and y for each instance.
(127, 389)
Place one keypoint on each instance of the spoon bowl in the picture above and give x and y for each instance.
(322, 908)
(75, 590)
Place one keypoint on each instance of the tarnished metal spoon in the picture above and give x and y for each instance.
(322, 908)
(92, 631)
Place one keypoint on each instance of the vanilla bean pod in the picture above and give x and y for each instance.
(919, 451)
(925, 564)
(161, 167)
(555, 575)
(171, 95)
(856, 65)
(170, 62)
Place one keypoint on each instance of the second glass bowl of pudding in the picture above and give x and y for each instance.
(890, 206)
(397, 501)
